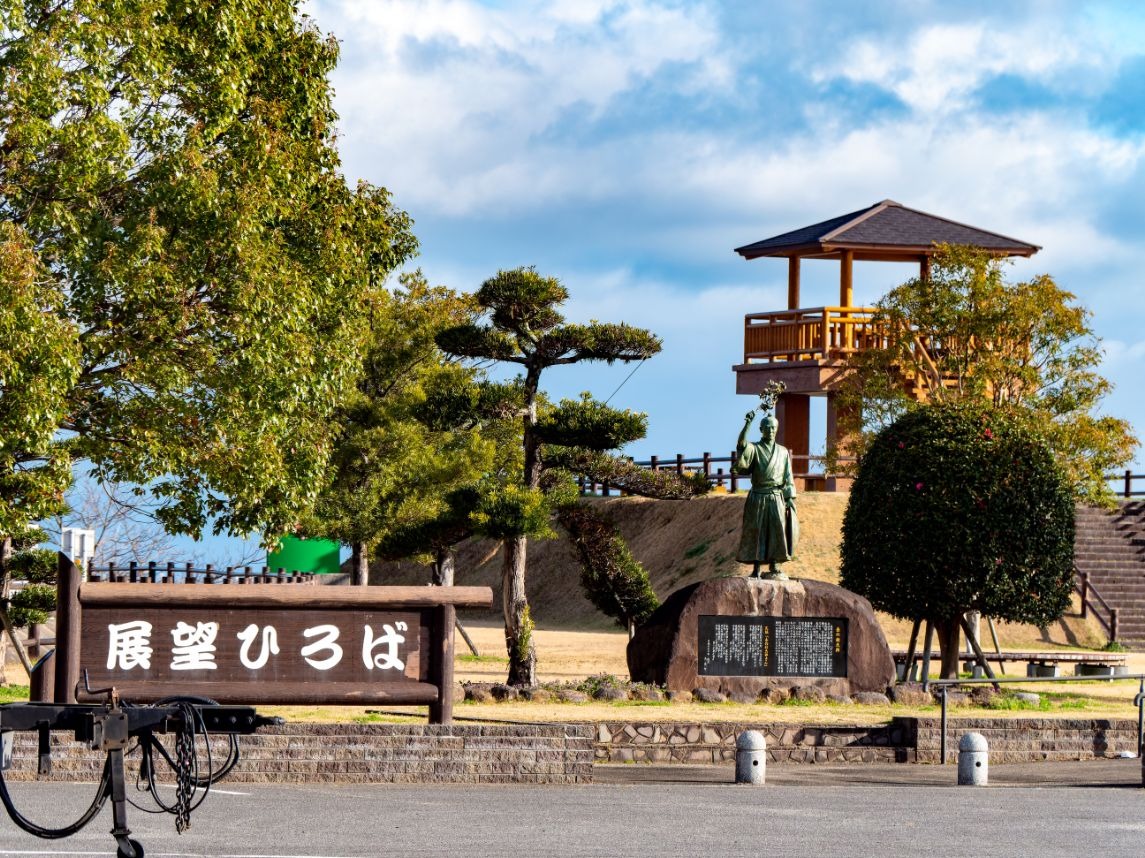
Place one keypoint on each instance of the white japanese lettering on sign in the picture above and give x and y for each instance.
(209, 645)
(387, 660)
(269, 645)
(329, 635)
(129, 645)
(194, 647)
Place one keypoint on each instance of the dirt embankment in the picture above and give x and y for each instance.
(679, 543)
(683, 542)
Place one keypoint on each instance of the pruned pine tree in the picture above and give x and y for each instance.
(522, 324)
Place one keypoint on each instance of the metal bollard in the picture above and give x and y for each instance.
(973, 760)
(751, 757)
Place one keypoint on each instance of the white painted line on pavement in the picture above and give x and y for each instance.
(103, 854)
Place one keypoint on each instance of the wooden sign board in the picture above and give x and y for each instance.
(329, 645)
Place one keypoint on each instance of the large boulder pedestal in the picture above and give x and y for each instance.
(665, 650)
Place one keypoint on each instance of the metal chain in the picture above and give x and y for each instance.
(185, 770)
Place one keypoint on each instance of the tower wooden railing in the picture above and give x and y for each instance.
(835, 334)
(818, 333)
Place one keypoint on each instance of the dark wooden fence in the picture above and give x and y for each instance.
(187, 573)
(717, 469)
(1124, 484)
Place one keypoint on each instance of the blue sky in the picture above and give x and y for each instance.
(628, 147)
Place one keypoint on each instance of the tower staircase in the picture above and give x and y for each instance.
(1109, 551)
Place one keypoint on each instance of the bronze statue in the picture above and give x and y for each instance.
(770, 525)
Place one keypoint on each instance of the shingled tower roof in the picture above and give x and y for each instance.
(886, 231)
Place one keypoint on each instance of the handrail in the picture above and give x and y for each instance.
(1085, 589)
(810, 333)
(1139, 700)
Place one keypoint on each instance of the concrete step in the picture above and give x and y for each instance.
(1113, 577)
(1109, 546)
(1129, 564)
(1107, 536)
(1105, 540)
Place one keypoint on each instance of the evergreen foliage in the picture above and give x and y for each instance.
(614, 581)
(959, 507)
(589, 424)
(624, 475)
(38, 568)
(1025, 345)
(184, 267)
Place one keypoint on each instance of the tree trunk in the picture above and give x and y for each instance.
(359, 564)
(532, 445)
(974, 620)
(518, 624)
(5, 592)
(442, 575)
(949, 641)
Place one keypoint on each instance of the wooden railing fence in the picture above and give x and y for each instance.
(1125, 483)
(716, 469)
(188, 573)
(1092, 600)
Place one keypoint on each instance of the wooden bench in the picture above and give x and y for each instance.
(1041, 663)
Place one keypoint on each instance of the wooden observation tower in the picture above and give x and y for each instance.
(808, 348)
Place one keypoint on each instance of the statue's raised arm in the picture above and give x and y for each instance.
(770, 527)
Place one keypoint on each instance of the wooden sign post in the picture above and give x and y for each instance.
(262, 644)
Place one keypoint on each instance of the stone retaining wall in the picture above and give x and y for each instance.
(368, 753)
(564, 754)
(904, 740)
(786, 743)
(1022, 740)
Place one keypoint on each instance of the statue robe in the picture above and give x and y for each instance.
(770, 528)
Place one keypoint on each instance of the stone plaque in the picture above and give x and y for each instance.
(740, 636)
(772, 646)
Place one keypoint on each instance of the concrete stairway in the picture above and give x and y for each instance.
(1110, 547)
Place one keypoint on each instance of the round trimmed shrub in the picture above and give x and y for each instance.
(958, 508)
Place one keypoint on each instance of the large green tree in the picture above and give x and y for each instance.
(169, 181)
(39, 364)
(960, 507)
(391, 470)
(965, 333)
(523, 325)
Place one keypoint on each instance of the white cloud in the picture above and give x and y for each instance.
(469, 114)
(453, 97)
(935, 68)
(1119, 354)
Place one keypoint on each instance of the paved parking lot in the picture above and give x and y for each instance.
(820, 811)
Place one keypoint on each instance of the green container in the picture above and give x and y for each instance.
(306, 555)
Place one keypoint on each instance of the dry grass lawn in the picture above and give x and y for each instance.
(571, 656)
(681, 543)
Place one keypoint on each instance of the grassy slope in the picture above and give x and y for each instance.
(682, 542)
